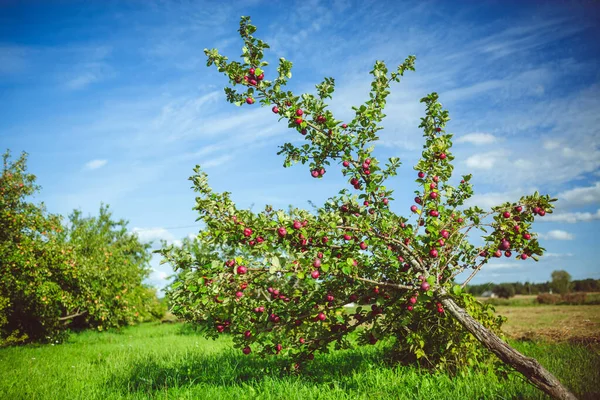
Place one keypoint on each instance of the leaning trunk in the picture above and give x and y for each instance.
(529, 367)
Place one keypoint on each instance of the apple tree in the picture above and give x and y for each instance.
(278, 280)
(53, 276)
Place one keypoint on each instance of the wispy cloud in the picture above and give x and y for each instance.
(477, 138)
(557, 235)
(13, 59)
(558, 255)
(486, 160)
(572, 217)
(579, 196)
(95, 164)
(215, 162)
(83, 80)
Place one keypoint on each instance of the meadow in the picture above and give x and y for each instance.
(170, 361)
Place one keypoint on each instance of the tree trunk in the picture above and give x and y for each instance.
(529, 367)
(68, 317)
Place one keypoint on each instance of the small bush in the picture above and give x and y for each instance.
(548, 298)
(573, 298)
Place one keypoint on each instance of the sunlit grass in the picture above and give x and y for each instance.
(164, 361)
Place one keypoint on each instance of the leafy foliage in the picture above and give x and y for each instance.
(280, 280)
(561, 282)
(86, 274)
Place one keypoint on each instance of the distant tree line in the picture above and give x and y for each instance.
(560, 283)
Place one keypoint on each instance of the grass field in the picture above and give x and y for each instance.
(167, 362)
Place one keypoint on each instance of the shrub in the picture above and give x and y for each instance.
(573, 298)
(548, 298)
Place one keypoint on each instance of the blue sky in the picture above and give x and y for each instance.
(114, 103)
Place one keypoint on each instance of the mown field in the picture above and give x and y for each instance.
(167, 361)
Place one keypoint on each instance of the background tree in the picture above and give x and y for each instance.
(504, 290)
(278, 280)
(87, 274)
(561, 282)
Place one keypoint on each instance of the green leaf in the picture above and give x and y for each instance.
(456, 289)
(275, 262)
(325, 267)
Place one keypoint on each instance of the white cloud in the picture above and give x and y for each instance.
(493, 265)
(579, 196)
(551, 144)
(95, 164)
(477, 138)
(215, 162)
(83, 80)
(466, 92)
(558, 235)
(153, 234)
(489, 200)
(485, 160)
(558, 255)
(571, 218)
(90, 67)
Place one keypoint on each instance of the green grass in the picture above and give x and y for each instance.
(165, 362)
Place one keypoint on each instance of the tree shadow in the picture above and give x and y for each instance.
(229, 368)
